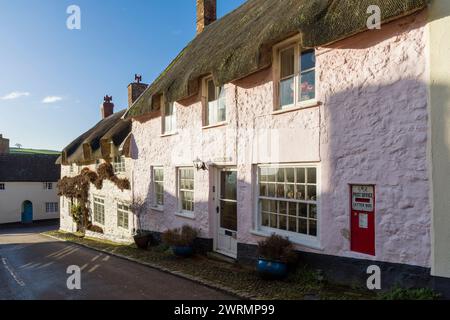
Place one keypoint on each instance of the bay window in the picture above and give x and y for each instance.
(287, 199)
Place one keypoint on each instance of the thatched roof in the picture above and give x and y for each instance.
(19, 167)
(100, 142)
(240, 43)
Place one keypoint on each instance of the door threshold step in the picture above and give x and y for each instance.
(220, 257)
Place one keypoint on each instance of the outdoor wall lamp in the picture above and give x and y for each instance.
(200, 165)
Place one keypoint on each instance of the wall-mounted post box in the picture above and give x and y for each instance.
(362, 204)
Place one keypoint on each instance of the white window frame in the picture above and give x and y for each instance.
(51, 207)
(2, 186)
(156, 205)
(48, 185)
(295, 43)
(297, 238)
(125, 213)
(119, 164)
(94, 203)
(181, 211)
(218, 91)
(173, 130)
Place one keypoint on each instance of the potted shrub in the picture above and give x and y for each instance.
(275, 255)
(142, 238)
(181, 240)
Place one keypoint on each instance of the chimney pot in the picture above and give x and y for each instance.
(107, 107)
(206, 14)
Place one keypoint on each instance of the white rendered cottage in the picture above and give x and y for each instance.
(108, 205)
(27, 186)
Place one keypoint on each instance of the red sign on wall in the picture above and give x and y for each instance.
(362, 201)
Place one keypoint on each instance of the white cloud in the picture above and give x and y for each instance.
(15, 95)
(51, 99)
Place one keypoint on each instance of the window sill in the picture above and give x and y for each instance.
(215, 125)
(169, 134)
(184, 214)
(159, 209)
(302, 105)
(311, 244)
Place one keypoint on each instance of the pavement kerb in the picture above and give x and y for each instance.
(212, 285)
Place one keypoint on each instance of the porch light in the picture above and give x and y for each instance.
(200, 165)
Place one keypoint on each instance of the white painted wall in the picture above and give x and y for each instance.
(112, 196)
(16, 193)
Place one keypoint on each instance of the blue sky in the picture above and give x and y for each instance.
(52, 79)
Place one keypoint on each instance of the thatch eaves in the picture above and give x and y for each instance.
(240, 43)
(100, 142)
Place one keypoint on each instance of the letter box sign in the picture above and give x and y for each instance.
(363, 219)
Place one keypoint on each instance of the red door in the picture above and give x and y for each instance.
(362, 204)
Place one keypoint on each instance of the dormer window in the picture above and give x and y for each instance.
(295, 76)
(156, 102)
(119, 164)
(169, 118)
(215, 103)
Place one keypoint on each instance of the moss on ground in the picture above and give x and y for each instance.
(302, 284)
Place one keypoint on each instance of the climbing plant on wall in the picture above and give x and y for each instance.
(77, 187)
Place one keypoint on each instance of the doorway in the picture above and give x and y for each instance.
(27, 212)
(226, 209)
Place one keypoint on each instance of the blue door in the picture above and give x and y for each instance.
(27, 213)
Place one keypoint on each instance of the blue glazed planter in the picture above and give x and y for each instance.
(272, 269)
(183, 251)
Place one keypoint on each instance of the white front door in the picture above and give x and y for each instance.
(226, 240)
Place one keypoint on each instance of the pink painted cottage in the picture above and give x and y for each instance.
(293, 117)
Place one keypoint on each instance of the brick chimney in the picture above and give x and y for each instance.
(4, 145)
(107, 107)
(206, 14)
(135, 89)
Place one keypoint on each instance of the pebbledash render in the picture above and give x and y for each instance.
(289, 149)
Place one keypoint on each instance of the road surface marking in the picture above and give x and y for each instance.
(96, 257)
(12, 273)
(94, 268)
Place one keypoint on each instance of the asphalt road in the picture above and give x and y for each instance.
(33, 266)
